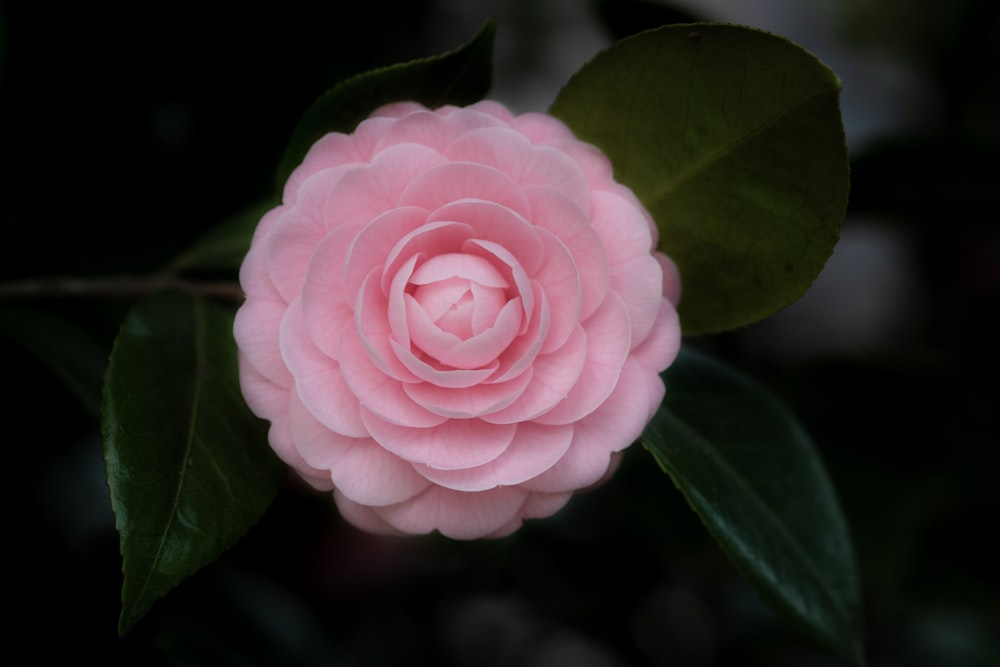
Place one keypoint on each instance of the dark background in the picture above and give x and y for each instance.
(127, 133)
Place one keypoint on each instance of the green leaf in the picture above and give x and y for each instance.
(732, 139)
(459, 77)
(187, 463)
(753, 476)
(224, 246)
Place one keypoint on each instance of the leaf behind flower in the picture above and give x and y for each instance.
(753, 476)
(187, 463)
(223, 246)
(458, 77)
(732, 138)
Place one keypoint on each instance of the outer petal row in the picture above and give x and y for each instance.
(456, 514)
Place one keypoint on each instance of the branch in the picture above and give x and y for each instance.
(118, 287)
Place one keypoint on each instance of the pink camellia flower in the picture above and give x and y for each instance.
(454, 319)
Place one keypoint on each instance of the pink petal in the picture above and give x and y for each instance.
(629, 196)
(541, 505)
(431, 129)
(594, 163)
(331, 402)
(541, 128)
(442, 377)
(494, 109)
(456, 443)
(285, 450)
(652, 384)
(502, 226)
(662, 344)
(396, 165)
(396, 314)
(367, 134)
(357, 198)
(298, 352)
(325, 303)
(337, 149)
(374, 243)
(318, 379)
(553, 375)
(453, 181)
(267, 222)
(427, 240)
(520, 354)
(467, 403)
(359, 468)
(255, 329)
(265, 399)
(642, 294)
(271, 402)
(461, 307)
(312, 193)
(332, 150)
(475, 352)
(504, 260)
(671, 278)
(571, 225)
(585, 464)
(613, 426)
(644, 383)
(458, 265)
(487, 305)
(378, 392)
(289, 247)
(534, 449)
(560, 280)
(635, 274)
(374, 331)
(608, 344)
(536, 506)
(512, 153)
(255, 274)
(456, 514)
(363, 517)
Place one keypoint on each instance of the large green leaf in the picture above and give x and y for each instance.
(732, 138)
(187, 463)
(459, 77)
(751, 473)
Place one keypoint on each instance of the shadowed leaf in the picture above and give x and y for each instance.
(753, 476)
(187, 463)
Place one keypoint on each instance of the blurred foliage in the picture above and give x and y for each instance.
(121, 145)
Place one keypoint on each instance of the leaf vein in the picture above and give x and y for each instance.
(714, 156)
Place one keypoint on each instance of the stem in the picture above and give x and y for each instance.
(118, 287)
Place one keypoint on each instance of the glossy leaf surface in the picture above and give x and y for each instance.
(188, 465)
(753, 476)
(732, 138)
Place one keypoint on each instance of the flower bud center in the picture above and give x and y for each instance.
(462, 294)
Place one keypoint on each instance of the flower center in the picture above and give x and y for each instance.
(461, 294)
